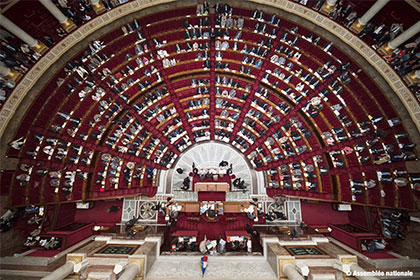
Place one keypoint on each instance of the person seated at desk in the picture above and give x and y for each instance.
(251, 212)
(173, 214)
(221, 248)
(234, 245)
(211, 213)
(189, 246)
(242, 244)
(211, 210)
(181, 246)
(204, 208)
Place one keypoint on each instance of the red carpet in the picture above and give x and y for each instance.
(357, 217)
(98, 214)
(211, 229)
(211, 196)
(379, 255)
(44, 253)
(322, 214)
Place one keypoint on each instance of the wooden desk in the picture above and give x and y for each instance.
(211, 187)
(212, 171)
(235, 207)
(217, 206)
(237, 233)
(240, 236)
(352, 239)
(184, 240)
(139, 228)
(185, 206)
(228, 206)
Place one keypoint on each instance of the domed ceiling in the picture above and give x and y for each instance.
(290, 101)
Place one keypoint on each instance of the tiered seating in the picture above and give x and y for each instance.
(126, 113)
(41, 24)
(37, 21)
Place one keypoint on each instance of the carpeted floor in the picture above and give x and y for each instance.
(44, 253)
(98, 214)
(379, 255)
(211, 196)
(212, 230)
(322, 214)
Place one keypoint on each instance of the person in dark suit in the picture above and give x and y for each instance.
(250, 230)
(113, 208)
(130, 223)
(223, 163)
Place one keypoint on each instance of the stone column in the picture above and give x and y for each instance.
(8, 73)
(61, 272)
(417, 73)
(290, 271)
(130, 272)
(351, 266)
(33, 43)
(402, 38)
(355, 267)
(363, 20)
(328, 6)
(66, 23)
(97, 6)
(412, 78)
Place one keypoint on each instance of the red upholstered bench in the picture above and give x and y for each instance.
(71, 237)
(352, 239)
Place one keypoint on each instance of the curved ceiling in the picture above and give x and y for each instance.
(130, 105)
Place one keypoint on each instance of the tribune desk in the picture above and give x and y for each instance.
(236, 206)
(219, 207)
(184, 206)
(184, 239)
(211, 187)
(239, 239)
(228, 206)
